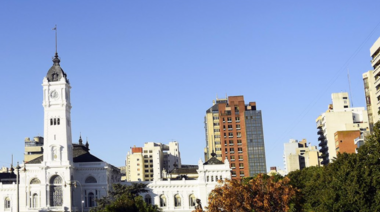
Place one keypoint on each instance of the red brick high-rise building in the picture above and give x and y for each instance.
(234, 131)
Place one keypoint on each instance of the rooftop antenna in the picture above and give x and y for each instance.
(349, 86)
(56, 41)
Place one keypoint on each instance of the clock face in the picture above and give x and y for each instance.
(54, 94)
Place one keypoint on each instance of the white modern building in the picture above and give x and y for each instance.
(371, 80)
(339, 117)
(147, 163)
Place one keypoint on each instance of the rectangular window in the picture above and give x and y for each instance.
(232, 150)
(150, 151)
(232, 158)
(240, 150)
(237, 119)
(146, 161)
(233, 165)
(229, 127)
(230, 135)
(238, 134)
(145, 151)
(238, 126)
(229, 119)
(241, 173)
(241, 165)
(240, 157)
(233, 173)
(239, 142)
(231, 142)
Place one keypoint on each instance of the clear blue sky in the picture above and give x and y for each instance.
(145, 71)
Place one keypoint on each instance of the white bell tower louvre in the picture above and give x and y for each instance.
(57, 117)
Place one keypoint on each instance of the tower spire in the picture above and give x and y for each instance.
(56, 59)
(56, 41)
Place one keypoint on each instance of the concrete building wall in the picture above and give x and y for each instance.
(345, 141)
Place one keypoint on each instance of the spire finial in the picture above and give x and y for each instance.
(80, 139)
(56, 60)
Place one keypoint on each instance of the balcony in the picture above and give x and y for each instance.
(321, 138)
(33, 144)
(376, 72)
(320, 132)
(322, 143)
(375, 60)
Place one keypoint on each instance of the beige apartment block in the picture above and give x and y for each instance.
(33, 148)
(212, 127)
(148, 163)
(339, 117)
(299, 155)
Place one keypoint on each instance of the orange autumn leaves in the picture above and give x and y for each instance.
(262, 193)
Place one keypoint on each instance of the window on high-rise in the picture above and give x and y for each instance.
(233, 166)
(232, 157)
(240, 149)
(239, 142)
(229, 119)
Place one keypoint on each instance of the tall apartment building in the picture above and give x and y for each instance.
(147, 163)
(339, 117)
(371, 80)
(298, 155)
(234, 130)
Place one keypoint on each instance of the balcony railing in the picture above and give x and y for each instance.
(33, 144)
(376, 71)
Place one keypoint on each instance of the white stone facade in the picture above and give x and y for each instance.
(180, 195)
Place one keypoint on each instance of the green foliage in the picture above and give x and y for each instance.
(125, 198)
(350, 183)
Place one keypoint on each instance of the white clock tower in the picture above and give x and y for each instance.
(57, 118)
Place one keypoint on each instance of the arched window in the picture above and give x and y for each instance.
(90, 179)
(35, 181)
(148, 199)
(212, 178)
(91, 199)
(51, 121)
(34, 201)
(192, 200)
(56, 191)
(55, 121)
(162, 201)
(58, 121)
(7, 203)
(177, 200)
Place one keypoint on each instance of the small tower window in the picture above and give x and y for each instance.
(55, 121)
(58, 121)
(51, 121)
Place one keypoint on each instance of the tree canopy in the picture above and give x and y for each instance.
(260, 193)
(125, 198)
